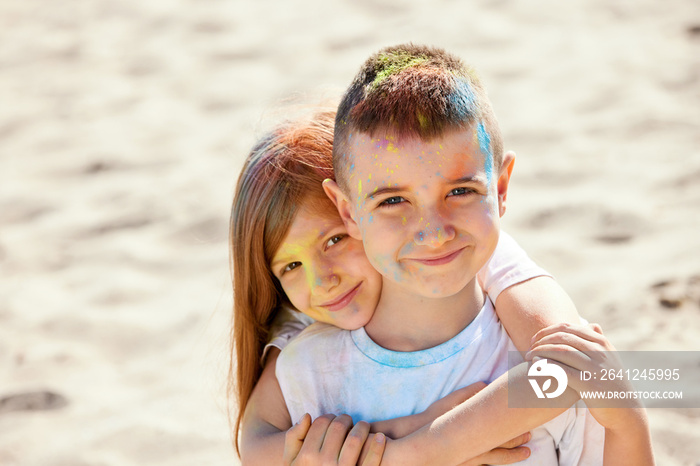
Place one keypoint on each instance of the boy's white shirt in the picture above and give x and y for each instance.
(508, 266)
(329, 370)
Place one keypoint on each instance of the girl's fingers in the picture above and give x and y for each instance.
(336, 433)
(517, 441)
(572, 364)
(562, 354)
(377, 443)
(317, 433)
(505, 456)
(294, 439)
(352, 447)
(588, 336)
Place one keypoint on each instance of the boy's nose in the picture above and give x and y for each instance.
(434, 233)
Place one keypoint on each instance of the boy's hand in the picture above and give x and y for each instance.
(585, 348)
(331, 440)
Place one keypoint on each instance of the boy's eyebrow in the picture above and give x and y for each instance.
(384, 190)
(468, 179)
(398, 189)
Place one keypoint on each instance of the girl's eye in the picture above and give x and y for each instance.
(391, 201)
(460, 191)
(334, 240)
(291, 266)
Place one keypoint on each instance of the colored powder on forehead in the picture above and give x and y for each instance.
(485, 147)
(392, 63)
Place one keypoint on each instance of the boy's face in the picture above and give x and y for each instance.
(427, 212)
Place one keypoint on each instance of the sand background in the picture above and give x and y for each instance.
(123, 126)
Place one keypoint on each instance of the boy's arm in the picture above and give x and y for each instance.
(265, 420)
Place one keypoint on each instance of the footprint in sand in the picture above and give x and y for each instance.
(674, 293)
(32, 401)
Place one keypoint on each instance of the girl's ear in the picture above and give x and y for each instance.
(345, 208)
(504, 179)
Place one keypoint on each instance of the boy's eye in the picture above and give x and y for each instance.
(460, 191)
(393, 200)
(291, 266)
(333, 240)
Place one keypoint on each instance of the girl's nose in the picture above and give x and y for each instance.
(325, 281)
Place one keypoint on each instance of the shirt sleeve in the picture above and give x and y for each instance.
(288, 323)
(508, 266)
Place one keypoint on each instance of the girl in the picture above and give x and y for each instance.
(280, 211)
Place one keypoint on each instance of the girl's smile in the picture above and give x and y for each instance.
(325, 272)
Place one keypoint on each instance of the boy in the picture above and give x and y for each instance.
(422, 180)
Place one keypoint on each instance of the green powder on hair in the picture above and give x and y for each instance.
(394, 62)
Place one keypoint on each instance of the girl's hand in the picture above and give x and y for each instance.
(331, 440)
(508, 453)
(585, 348)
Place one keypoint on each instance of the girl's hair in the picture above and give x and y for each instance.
(283, 170)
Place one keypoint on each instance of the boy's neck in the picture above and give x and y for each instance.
(407, 322)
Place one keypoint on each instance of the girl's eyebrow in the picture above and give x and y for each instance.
(284, 256)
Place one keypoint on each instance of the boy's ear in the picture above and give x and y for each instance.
(504, 179)
(338, 197)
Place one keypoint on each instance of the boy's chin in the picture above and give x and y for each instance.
(434, 289)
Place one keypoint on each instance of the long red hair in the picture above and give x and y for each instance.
(283, 170)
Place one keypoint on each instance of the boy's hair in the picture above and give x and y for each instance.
(284, 170)
(412, 90)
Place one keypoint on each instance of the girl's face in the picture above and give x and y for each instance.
(325, 272)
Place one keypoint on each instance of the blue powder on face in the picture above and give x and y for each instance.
(485, 147)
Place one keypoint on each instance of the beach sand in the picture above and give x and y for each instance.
(124, 124)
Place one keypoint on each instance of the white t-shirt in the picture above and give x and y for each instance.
(329, 370)
(508, 266)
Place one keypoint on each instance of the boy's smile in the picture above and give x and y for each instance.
(427, 212)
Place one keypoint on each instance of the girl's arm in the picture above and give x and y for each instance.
(527, 299)
(578, 348)
(266, 425)
(265, 420)
(478, 424)
(527, 307)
